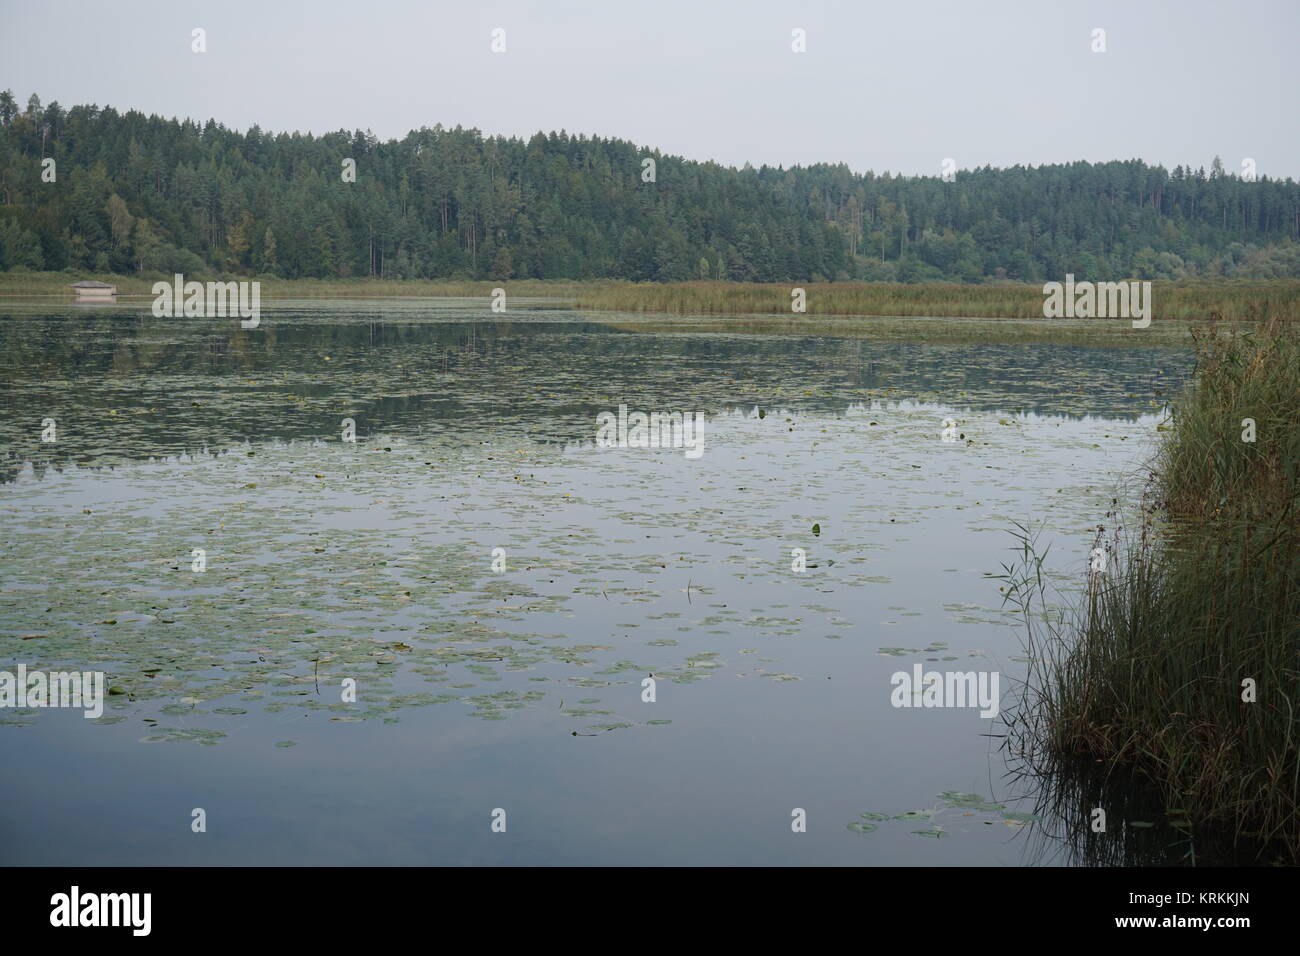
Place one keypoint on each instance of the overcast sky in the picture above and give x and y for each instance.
(899, 85)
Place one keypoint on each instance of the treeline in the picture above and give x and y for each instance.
(134, 194)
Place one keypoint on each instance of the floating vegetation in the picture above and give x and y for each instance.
(329, 562)
(208, 738)
(952, 805)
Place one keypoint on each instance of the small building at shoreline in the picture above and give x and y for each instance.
(94, 290)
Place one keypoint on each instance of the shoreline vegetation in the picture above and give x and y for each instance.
(1180, 665)
(1189, 300)
(1228, 299)
(57, 284)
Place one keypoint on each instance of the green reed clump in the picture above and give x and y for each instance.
(1197, 611)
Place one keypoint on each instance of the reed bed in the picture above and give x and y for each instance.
(1182, 660)
(1226, 299)
(1229, 299)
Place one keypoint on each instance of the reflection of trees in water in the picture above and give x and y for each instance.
(176, 385)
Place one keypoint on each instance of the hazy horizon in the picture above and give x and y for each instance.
(887, 90)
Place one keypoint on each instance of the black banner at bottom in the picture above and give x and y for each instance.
(267, 904)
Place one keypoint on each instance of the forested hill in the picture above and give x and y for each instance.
(135, 193)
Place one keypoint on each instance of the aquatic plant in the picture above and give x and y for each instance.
(1182, 662)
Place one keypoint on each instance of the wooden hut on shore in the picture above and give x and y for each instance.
(94, 290)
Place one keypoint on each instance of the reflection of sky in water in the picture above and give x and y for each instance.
(372, 561)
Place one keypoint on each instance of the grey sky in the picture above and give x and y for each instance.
(897, 86)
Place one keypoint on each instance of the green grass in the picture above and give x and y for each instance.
(1201, 594)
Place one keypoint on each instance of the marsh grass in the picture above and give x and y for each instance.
(1145, 675)
(1229, 299)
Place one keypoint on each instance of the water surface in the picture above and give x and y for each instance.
(522, 690)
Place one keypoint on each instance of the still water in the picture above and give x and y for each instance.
(329, 562)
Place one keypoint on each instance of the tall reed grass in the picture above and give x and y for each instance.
(1182, 662)
(1230, 299)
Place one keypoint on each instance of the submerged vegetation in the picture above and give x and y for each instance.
(1181, 667)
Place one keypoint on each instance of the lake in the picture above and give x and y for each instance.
(498, 589)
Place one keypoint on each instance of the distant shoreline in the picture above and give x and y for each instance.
(1189, 300)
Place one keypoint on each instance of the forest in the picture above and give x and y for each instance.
(130, 194)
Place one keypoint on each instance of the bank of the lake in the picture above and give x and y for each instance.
(24, 284)
(1186, 300)
(1230, 299)
(1182, 665)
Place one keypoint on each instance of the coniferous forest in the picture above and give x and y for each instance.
(136, 194)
